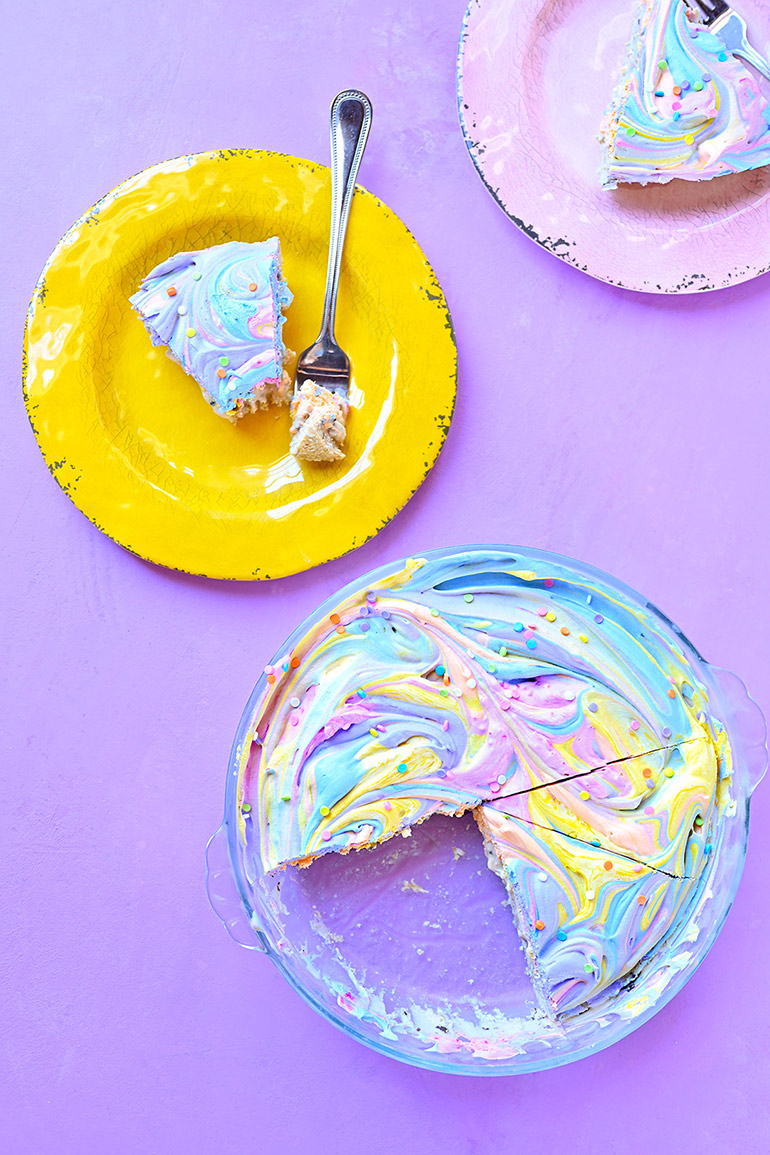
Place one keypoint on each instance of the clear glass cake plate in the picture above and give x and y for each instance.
(411, 947)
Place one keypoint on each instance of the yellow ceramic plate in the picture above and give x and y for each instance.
(128, 435)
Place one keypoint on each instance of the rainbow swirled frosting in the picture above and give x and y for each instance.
(567, 714)
(685, 107)
(218, 311)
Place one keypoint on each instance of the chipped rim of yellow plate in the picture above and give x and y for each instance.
(127, 434)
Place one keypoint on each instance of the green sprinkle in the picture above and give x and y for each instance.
(245, 808)
(435, 613)
(699, 821)
(402, 768)
(588, 969)
(444, 693)
(503, 652)
(286, 798)
(325, 811)
(469, 597)
(698, 86)
(662, 65)
(196, 276)
(224, 361)
(630, 132)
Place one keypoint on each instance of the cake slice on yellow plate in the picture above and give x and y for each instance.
(684, 107)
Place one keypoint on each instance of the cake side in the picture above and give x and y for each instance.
(219, 312)
(685, 107)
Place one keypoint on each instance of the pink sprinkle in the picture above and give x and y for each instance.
(268, 669)
(494, 787)
(676, 105)
(542, 612)
(388, 805)
(515, 692)
(505, 704)
(446, 725)
(326, 837)
(527, 635)
(635, 725)
(649, 810)
(548, 583)
(294, 720)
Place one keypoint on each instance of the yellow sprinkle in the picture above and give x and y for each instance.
(689, 140)
(190, 332)
(669, 772)
(325, 811)
(374, 733)
(582, 637)
(550, 616)
(584, 795)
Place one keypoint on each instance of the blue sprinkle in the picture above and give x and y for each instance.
(518, 626)
(285, 667)
(595, 842)
(707, 848)
(440, 671)
(660, 94)
(402, 768)
(666, 732)
(685, 84)
(365, 627)
(722, 57)
(531, 643)
(441, 773)
(598, 619)
(675, 116)
(361, 693)
(592, 706)
(386, 614)
(561, 935)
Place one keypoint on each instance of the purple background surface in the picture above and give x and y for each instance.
(626, 430)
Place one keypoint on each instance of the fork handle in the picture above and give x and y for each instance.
(747, 52)
(351, 117)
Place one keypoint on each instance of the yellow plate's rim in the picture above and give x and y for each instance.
(38, 297)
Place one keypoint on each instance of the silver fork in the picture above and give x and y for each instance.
(720, 18)
(324, 362)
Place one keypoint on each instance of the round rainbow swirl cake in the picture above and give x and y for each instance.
(568, 715)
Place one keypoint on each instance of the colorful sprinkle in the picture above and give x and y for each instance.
(666, 732)
(518, 627)
(641, 899)
(649, 811)
(565, 631)
(334, 619)
(698, 86)
(531, 644)
(647, 773)
(325, 811)
(182, 310)
(440, 670)
(608, 865)
(340, 629)
(593, 707)
(662, 65)
(295, 662)
(588, 968)
(191, 332)
(542, 612)
(253, 287)
(672, 693)
(550, 616)
(539, 924)
(675, 116)
(469, 597)
(542, 876)
(548, 582)
(583, 637)
(561, 935)
(635, 724)
(361, 693)
(221, 373)
(224, 360)
(171, 291)
(660, 94)
(677, 90)
(722, 57)
(246, 808)
(688, 140)
(584, 795)
(630, 131)
(402, 768)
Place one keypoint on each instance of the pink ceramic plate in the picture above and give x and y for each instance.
(534, 79)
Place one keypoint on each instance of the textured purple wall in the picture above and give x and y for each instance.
(630, 431)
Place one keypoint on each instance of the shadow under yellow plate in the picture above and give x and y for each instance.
(128, 435)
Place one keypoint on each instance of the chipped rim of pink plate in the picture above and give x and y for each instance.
(533, 80)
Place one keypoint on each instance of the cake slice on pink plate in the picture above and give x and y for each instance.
(684, 106)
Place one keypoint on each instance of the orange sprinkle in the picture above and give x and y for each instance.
(340, 629)
(334, 619)
(253, 287)
(608, 866)
(672, 693)
(539, 925)
(171, 291)
(677, 90)
(642, 900)
(565, 631)
(221, 372)
(647, 772)
(294, 663)
(446, 679)
(271, 679)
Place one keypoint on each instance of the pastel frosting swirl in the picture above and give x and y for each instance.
(218, 310)
(685, 106)
(571, 718)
